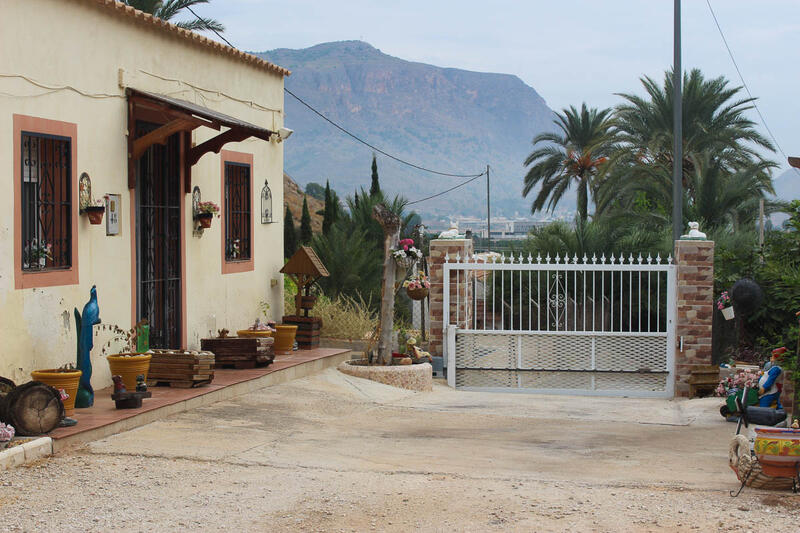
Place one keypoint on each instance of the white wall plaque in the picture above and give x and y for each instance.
(113, 213)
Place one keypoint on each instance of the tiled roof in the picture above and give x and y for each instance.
(134, 15)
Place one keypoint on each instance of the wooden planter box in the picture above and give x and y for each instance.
(181, 370)
(240, 352)
(308, 330)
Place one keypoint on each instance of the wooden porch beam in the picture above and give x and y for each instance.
(795, 162)
(215, 144)
(160, 135)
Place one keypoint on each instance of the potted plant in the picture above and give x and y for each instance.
(417, 286)
(36, 255)
(64, 379)
(407, 254)
(6, 434)
(128, 362)
(95, 211)
(725, 304)
(205, 212)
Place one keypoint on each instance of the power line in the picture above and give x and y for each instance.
(448, 190)
(744, 84)
(198, 17)
(362, 141)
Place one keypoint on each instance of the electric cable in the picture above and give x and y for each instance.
(448, 190)
(744, 84)
(362, 141)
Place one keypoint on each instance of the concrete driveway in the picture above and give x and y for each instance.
(337, 453)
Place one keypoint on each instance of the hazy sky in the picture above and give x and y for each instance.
(570, 51)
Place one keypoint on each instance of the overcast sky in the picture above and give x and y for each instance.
(570, 51)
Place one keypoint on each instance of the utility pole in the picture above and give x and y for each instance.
(677, 132)
(488, 215)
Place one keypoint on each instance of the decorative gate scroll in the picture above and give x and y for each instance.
(594, 326)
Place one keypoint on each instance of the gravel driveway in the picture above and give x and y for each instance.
(336, 453)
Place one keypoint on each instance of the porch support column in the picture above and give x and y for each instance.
(440, 248)
(695, 312)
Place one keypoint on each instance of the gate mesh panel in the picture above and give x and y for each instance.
(631, 353)
(490, 361)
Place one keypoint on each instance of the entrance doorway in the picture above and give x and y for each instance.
(158, 240)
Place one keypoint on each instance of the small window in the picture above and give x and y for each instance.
(237, 212)
(46, 202)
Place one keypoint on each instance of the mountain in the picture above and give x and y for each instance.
(445, 119)
(787, 185)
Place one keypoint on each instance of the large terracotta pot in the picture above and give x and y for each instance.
(128, 366)
(284, 339)
(59, 378)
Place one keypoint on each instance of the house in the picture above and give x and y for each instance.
(99, 101)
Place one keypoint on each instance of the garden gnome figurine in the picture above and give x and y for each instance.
(85, 323)
(141, 386)
(768, 392)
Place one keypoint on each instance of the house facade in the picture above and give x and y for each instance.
(102, 104)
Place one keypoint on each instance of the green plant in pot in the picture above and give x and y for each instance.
(132, 358)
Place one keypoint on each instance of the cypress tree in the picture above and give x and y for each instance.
(289, 234)
(375, 187)
(305, 224)
(328, 213)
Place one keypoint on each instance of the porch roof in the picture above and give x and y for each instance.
(182, 117)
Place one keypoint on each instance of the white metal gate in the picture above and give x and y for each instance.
(599, 326)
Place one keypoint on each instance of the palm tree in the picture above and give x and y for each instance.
(168, 9)
(569, 156)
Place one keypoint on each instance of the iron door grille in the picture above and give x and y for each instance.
(46, 202)
(237, 212)
(159, 241)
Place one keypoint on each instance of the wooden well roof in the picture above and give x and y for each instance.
(305, 261)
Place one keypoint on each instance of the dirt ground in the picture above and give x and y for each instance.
(337, 453)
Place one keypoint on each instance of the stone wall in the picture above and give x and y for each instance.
(439, 249)
(695, 309)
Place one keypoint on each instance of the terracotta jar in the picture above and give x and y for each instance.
(284, 339)
(60, 378)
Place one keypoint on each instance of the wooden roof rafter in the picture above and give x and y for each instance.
(795, 162)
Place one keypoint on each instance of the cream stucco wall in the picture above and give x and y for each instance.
(82, 45)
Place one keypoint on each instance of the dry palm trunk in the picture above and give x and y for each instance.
(390, 223)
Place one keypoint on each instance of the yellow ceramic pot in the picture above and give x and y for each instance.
(778, 450)
(59, 378)
(253, 333)
(129, 366)
(284, 339)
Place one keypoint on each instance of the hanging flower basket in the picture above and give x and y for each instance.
(419, 293)
(204, 219)
(725, 304)
(406, 255)
(95, 213)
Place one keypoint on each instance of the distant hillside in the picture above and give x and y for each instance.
(293, 197)
(443, 118)
(787, 185)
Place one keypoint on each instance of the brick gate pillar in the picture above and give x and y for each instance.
(440, 248)
(695, 309)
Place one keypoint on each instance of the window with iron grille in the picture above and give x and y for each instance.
(237, 212)
(46, 202)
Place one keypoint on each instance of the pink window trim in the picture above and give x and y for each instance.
(233, 267)
(28, 280)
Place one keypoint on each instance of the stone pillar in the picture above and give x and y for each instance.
(695, 309)
(440, 248)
